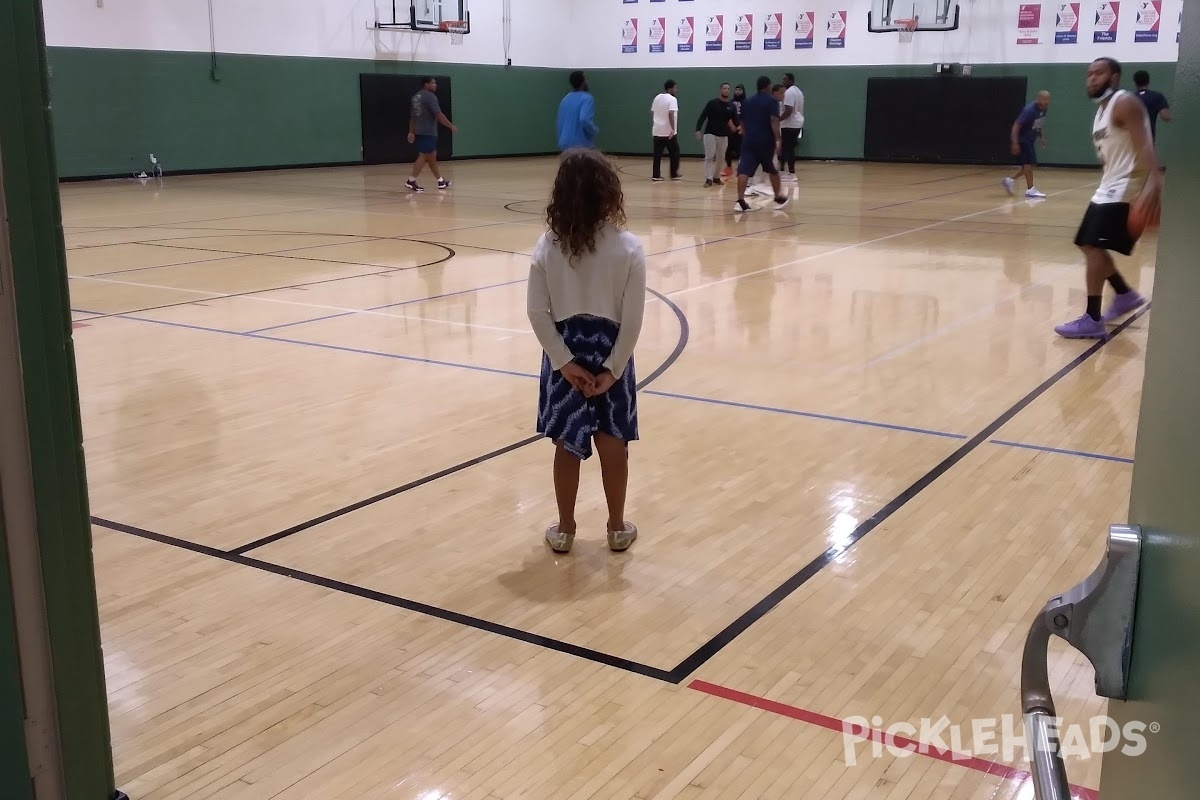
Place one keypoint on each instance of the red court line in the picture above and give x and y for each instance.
(1002, 771)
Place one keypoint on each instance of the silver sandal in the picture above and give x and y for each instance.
(559, 542)
(619, 541)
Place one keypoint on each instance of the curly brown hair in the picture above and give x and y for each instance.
(587, 193)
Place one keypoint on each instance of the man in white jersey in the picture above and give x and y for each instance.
(1121, 134)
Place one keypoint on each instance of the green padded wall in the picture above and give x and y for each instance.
(267, 110)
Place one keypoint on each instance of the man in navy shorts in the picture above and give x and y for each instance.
(424, 116)
(1025, 137)
(761, 141)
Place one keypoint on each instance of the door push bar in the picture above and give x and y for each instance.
(1096, 618)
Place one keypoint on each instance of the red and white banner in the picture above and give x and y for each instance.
(714, 32)
(773, 32)
(805, 25)
(685, 35)
(1066, 24)
(1149, 19)
(629, 33)
(658, 35)
(743, 32)
(1029, 23)
(835, 29)
(1108, 16)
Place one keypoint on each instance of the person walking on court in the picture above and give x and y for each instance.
(1024, 138)
(664, 113)
(760, 144)
(717, 121)
(1155, 102)
(586, 301)
(734, 149)
(1130, 186)
(791, 124)
(577, 115)
(424, 115)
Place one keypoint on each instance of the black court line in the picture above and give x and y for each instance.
(684, 335)
(768, 603)
(703, 654)
(234, 557)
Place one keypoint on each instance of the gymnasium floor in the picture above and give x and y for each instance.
(308, 403)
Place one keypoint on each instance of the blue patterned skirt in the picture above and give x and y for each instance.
(565, 414)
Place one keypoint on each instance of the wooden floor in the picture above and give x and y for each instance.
(309, 398)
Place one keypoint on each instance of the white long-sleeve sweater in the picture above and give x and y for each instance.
(609, 283)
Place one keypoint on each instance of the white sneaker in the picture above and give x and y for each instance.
(1034, 193)
(1008, 185)
(741, 206)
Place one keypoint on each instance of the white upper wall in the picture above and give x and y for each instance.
(588, 33)
(322, 28)
(987, 35)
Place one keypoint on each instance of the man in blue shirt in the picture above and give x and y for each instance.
(761, 140)
(1155, 102)
(577, 116)
(1025, 136)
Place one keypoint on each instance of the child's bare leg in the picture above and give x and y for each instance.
(566, 487)
(614, 470)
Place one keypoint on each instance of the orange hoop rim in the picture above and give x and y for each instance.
(453, 26)
(909, 24)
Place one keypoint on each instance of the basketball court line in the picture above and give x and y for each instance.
(342, 311)
(705, 652)
(1062, 451)
(586, 653)
(381, 271)
(529, 375)
(771, 601)
(992, 768)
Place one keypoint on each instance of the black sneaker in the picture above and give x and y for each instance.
(443, 183)
(708, 183)
(411, 183)
(718, 182)
(781, 201)
(742, 205)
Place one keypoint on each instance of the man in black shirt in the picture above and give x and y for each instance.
(717, 121)
(1155, 102)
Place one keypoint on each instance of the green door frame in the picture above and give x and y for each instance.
(53, 619)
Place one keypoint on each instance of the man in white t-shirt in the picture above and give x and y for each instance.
(665, 113)
(791, 125)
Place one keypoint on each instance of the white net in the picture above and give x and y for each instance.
(906, 27)
(457, 31)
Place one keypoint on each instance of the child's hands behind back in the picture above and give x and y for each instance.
(603, 382)
(580, 378)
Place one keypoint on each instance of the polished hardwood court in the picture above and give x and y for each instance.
(866, 460)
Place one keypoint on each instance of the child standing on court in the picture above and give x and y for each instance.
(587, 296)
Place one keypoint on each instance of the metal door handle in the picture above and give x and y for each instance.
(1096, 618)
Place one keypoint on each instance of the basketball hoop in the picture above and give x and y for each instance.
(906, 27)
(456, 28)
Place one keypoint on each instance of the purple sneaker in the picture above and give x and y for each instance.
(1083, 328)
(1122, 304)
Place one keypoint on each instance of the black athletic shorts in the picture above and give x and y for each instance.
(1106, 225)
(1028, 154)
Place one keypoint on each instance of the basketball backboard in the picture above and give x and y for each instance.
(423, 15)
(931, 15)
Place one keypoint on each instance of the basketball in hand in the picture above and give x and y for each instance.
(1141, 220)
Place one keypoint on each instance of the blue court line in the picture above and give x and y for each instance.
(807, 414)
(389, 305)
(517, 374)
(1061, 451)
(673, 395)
